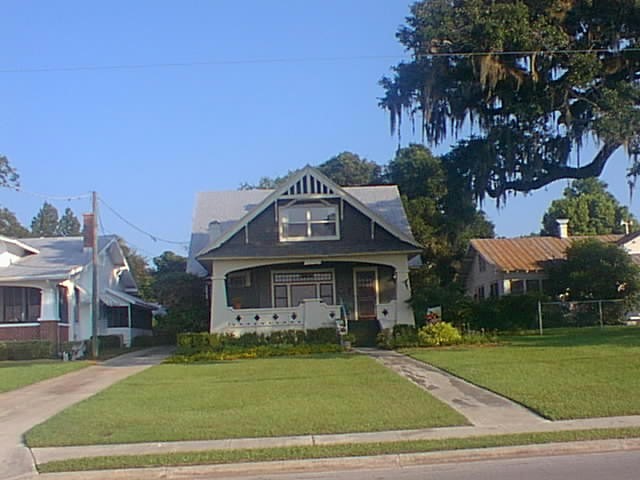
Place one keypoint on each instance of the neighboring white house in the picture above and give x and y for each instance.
(502, 266)
(45, 291)
(303, 255)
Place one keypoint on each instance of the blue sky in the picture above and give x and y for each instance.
(288, 83)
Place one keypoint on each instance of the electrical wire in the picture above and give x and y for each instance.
(155, 238)
(52, 197)
(285, 60)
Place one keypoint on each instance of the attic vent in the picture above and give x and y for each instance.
(308, 184)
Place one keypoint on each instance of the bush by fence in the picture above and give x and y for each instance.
(430, 335)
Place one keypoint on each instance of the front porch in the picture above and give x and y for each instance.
(303, 295)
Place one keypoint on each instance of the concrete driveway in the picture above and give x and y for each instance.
(22, 409)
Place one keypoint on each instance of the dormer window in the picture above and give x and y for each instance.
(308, 221)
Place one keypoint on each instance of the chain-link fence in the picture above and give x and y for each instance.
(584, 313)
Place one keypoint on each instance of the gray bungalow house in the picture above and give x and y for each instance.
(303, 255)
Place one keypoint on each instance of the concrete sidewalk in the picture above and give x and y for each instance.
(22, 409)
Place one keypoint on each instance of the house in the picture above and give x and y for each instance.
(501, 266)
(303, 255)
(45, 290)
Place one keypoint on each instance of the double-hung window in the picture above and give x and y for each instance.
(291, 288)
(310, 221)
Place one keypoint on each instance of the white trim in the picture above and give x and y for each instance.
(20, 324)
(309, 222)
(355, 288)
(288, 284)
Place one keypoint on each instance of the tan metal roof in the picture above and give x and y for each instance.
(528, 254)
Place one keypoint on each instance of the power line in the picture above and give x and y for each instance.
(52, 197)
(155, 238)
(285, 60)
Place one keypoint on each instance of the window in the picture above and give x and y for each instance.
(20, 304)
(482, 264)
(533, 285)
(239, 279)
(291, 288)
(63, 304)
(493, 290)
(481, 293)
(517, 287)
(309, 222)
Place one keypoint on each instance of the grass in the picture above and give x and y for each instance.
(565, 374)
(16, 374)
(349, 450)
(250, 398)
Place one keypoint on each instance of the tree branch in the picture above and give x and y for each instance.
(557, 172)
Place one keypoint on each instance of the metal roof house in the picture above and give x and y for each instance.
(45, 290)
(303, 255)
(501, 266)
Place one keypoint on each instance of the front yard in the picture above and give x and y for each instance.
(249, 398)
(16, 374)
(570, 373)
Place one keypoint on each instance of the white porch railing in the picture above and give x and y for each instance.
(310, 314)
(387, 314)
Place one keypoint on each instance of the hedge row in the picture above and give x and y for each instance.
(25, 350)
(262, 351)
(190, 343)
(431, 335)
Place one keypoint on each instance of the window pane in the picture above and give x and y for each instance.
(533, 285)
(295, 215)
(326, 293)
(323, 213)
(281, 296)
(323, 229)
(292, 230)
(517, 287)
(302, 292)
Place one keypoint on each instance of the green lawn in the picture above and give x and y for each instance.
(570, 373)
(250, 398)
(211, 457)
(16, 374)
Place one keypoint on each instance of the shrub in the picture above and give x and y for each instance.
(439, 334)
(28, 350)
(321, 336)
(4, 352)
(401, 336)
(262, 351)
(508, 313)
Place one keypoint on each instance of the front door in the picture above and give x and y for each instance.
(366, 293)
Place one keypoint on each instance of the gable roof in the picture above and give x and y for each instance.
(528, 254)
(234, 209)
(56, 259)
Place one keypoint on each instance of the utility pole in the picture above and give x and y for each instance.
(95, 306)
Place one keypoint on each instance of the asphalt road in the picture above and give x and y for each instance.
(594, 466)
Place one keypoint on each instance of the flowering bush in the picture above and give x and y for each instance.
(439, 334)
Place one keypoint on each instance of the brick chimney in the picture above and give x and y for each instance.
(563, 227)
(88, 229)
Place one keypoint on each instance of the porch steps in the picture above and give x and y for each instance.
(365, 332)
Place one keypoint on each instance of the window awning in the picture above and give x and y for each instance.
(113, 298)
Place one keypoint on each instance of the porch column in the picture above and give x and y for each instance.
(404, 313)
(218, 296)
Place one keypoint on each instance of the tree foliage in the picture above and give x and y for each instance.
(139, 269)
(590, 209)
(533, 80)
(441, 212)
(349, 169)
(45, 223)
(595, 270)
(169, 262)
(10, 226)
(8, 175)
(68, 225)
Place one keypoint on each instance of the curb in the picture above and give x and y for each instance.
(393, 461)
